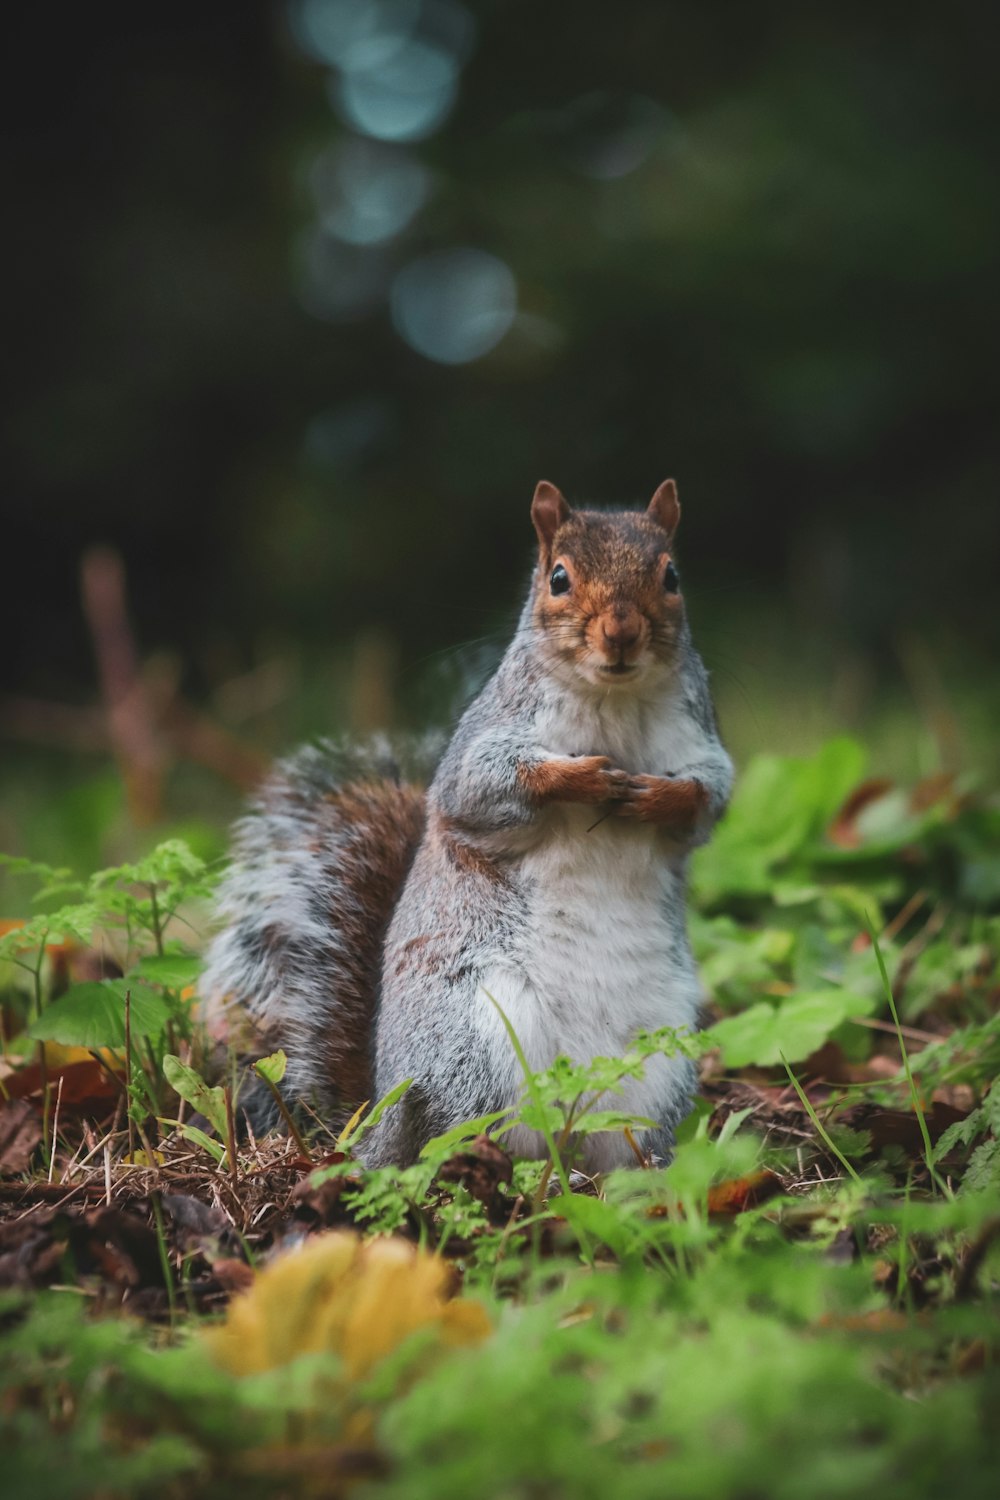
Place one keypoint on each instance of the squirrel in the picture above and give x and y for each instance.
(367, 922)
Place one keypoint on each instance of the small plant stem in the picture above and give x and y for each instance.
(532, 1087)
(286, 1115)
(914, 1095)
(157, 925)
(147, 1147)
(36, 974)
(128, 1069)
(536, 1098)
(820, 1129)
(637, 1153)
(153, 1074)
(161, 1241)
(234, 1169)
(538, 1201)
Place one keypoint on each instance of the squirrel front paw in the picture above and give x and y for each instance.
(675, 802)
(578, 778)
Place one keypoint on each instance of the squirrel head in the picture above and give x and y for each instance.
(607, 597)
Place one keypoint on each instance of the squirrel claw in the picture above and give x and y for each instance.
(618, 783)
(667, 800)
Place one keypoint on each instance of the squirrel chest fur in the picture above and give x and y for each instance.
(367, 927)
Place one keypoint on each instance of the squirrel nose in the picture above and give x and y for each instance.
(621, 628)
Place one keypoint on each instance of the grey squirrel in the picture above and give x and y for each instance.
(367, 921)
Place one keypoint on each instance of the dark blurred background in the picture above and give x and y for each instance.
(303, 298)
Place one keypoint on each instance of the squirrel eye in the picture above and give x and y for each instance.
(559, 581)
(671, 582)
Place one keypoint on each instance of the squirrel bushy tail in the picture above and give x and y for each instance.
(318, 866)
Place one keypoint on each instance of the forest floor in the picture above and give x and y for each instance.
(803, 1301)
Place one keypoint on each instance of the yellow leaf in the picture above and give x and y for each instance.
(141, 1159)
(352, 1124)
(58, 1056)
(340, 1294)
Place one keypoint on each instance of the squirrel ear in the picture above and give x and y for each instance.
(665, 508)
(548, 512)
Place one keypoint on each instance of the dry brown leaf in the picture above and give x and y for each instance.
(843, 831)
(742, 1192)
(20, 1135)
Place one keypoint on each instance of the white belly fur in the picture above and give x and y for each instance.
(603, 954)
(599, 960)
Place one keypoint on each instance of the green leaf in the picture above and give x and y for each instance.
(209, 1102)
(93, 1015)
(272, 1068)
(76, 922)
(440, 1146)
(695, 1123)
(982, 1175)
(962, 1133)
(536, 1115)
(174, 970)
(795, 1028)
(197, 1137)
(610, 1119)
(392, 1097)
(19, 866)
(595, 1217)
(782, 805)
(733, 1123)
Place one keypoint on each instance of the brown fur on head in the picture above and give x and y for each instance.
(607, 599)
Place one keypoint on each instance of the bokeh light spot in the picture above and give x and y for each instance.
(366, 192)
(403, 99)
(454, 306)
(352, 34)
(338, 282)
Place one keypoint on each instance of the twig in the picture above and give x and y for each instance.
(55, 1127)
(137, 748)
(636, 1149)
(43, 1073)
(227, 1094)
(904, 914)
(62, 725)
(908, 1031)
(128, 1070)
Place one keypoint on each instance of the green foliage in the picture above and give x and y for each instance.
(628, 1385)
(982, 1173)
(135, 917)
(779, 812)
(112, 1412)
(93, 1015)
(796, 1028)
(191, 1086)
